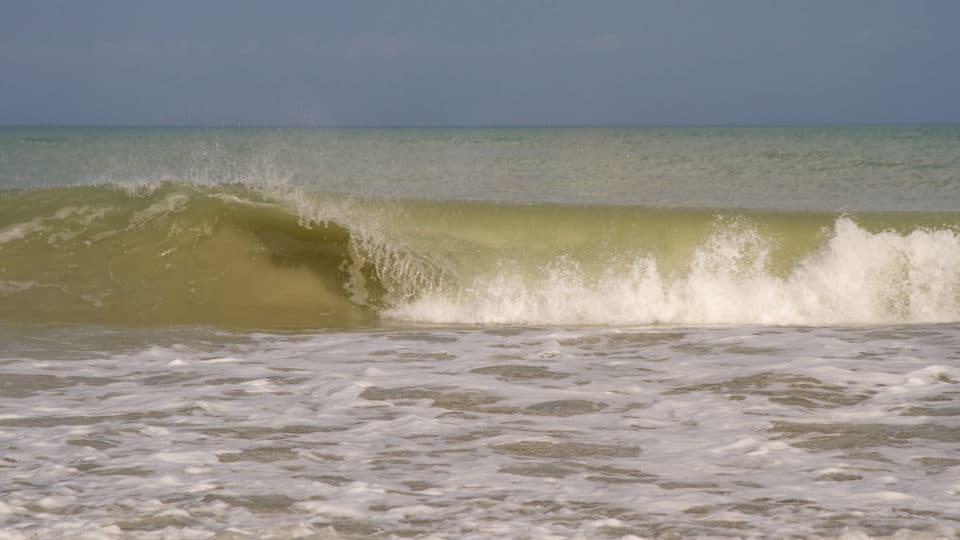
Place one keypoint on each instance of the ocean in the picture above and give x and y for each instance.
(724, 332)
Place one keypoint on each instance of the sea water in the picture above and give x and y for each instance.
(480, 333)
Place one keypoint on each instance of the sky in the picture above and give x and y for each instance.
(489, 62)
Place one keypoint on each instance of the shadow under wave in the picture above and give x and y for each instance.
(180, 254)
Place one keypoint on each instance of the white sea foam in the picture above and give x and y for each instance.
(171, 203)
(13, 287)
(858, 277)
(21, 230)
(477, 433)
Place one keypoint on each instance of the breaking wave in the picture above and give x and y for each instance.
(237, 255)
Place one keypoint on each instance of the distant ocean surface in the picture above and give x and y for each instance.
(480, 333)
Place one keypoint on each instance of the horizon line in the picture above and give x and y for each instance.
(468, 126)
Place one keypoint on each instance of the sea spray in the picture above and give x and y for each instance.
(240, 353)
(243, 255)
(856, 277)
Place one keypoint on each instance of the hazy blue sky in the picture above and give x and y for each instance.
(525, 62)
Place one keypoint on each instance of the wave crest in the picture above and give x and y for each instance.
(856, 277)
(239, 255)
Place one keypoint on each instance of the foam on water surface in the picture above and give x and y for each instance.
(855, 277)
(794, 372)
(238, 255)
(482, 433)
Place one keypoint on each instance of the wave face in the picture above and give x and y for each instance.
(177, 254)
(237, 255)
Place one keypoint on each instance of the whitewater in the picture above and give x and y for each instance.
(183, 253)
(479, 333)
